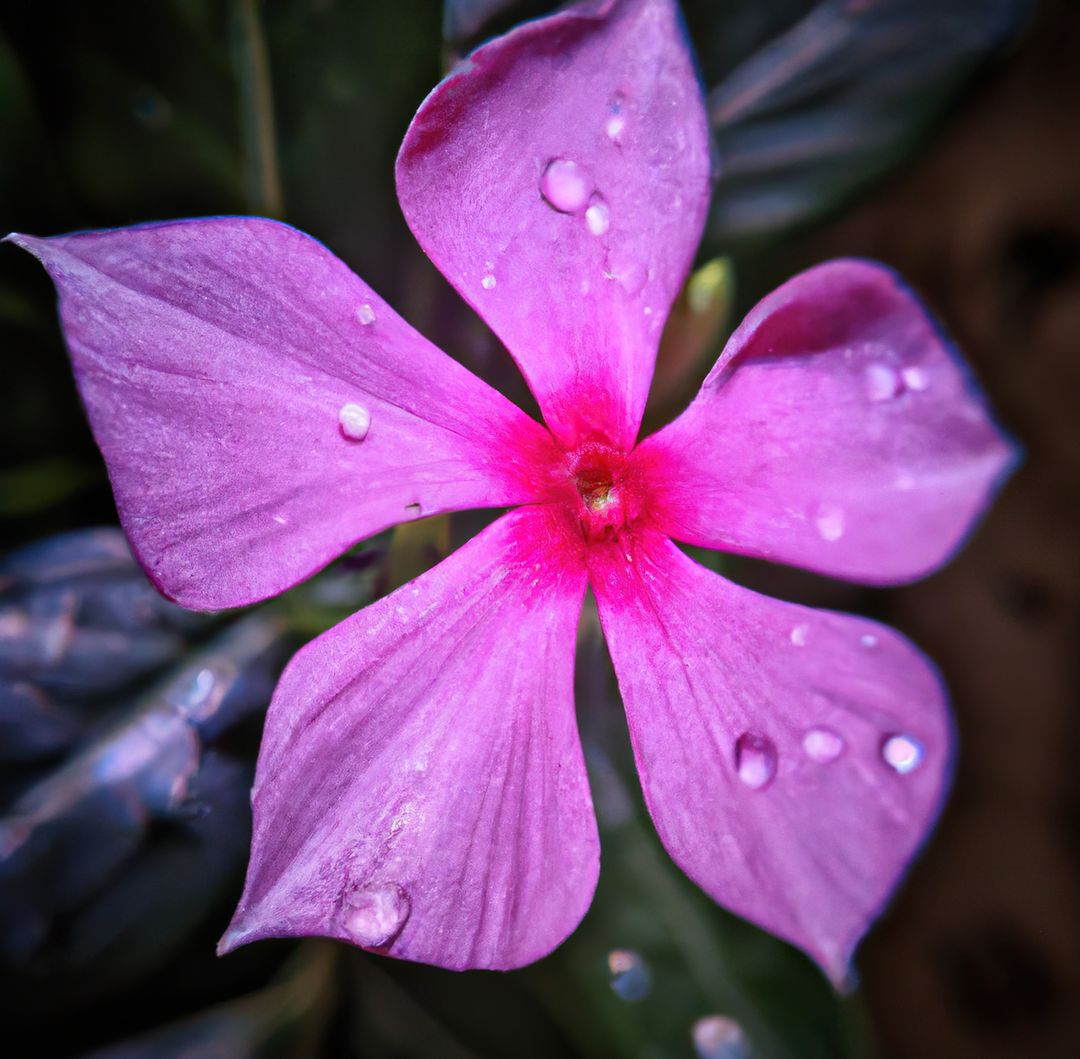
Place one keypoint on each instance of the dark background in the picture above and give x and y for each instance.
(941, 138)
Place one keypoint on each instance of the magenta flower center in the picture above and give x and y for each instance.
(610, 490)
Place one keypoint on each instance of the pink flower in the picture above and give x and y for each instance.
(421, 789)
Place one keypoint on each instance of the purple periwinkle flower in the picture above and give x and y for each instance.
(421, 789)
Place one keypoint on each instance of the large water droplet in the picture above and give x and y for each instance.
(823, 745)
(598, 216)
(830, 523)
(355, 421)
(565, 185)
(755, 760)
(902, 753)
(717, 1037)
(366, 315)
(630, 978)
(882, 382)
(374, 915)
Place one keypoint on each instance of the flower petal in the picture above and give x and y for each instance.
(421, 788)
(559, 179)
(838, 431)
(224, 364)
(793, 760)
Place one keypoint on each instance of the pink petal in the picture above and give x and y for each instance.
(793, 760)
(838, 431)
(223, 364)
(420, 788)
(559, 179)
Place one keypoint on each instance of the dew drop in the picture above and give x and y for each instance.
(355, 421)
(614, 127)
(915, 378)
(823, 745)
(630, 978)
(830, 523)
(565, 186)
(196, 694)
(755, 760)
(374, 915)
(882, 382)
(598, 216)
(718, 1037)
(868, 640)
(902, 753)
(366, 314)
(799, 634)
(488, 282)
(412, 510)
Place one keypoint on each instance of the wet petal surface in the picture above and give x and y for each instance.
(260, 409)
(838, 431)
(793, 760)
(559, 179)
(421, 788)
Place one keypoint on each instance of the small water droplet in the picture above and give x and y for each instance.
(366, 314)
(565, 186)
(614, 127)
(488, 282)
(374, 915)
(868, 640)
(830, 523)
(412, 510)
(755, 760)
(717, 1037)
(882, 382)
(915, 378)
(630, 978)
(281, 520)
(355, 421)
(598, 216)
(823, 745)
(902, 753)
(799, 634)
(193, 696)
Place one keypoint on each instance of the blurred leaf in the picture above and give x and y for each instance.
(838, 100)
(287, 1019)
(691, 337)
(35, 486)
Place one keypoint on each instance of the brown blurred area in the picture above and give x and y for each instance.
(980, 954)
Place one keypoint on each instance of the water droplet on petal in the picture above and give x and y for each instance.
(916, 378)
(799, 634)
(902, 753)
(412, 510)
(823, 745)
(598, 216)
(868, 640)
(355, 421)
(882, 382)
(717, 1037)
(374, 915)
(614, 127)
(488, 282)
(565, 185)
(366, 315)
(630, 978)
(755, 760)
(830, 523)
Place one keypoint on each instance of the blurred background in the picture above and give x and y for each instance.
(941, 137)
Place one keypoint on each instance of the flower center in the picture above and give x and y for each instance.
(607, 489)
